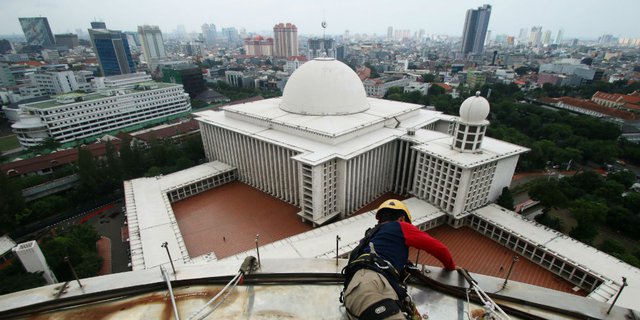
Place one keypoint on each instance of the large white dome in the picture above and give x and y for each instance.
(474, 109)
(324, 86)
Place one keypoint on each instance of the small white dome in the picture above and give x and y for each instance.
(474, 109)
(324, 86)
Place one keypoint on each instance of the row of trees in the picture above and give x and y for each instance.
(98, 178)
(594, 202)
(556, 137)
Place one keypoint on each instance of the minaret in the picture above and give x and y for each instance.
(472, 125)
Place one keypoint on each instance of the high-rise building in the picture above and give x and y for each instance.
(152, 45)
(389, 33)
(523, 35)
(258, 46)
(68, 40)
(546, 38)
(535, 37)
(37, 31)
(209, 33)
(231, 35)
(475, 29)
(188, 75)
(98, 25)
(6, 77)
(559, 36)
(112, 50)
(319, 46)
(285, 38)
(33, 260)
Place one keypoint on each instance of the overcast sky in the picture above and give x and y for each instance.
(583, 19)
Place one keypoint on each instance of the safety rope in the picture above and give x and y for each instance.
(232, 283)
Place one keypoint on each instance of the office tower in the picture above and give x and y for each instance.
(559, 37)
(319, 46)
(37, 31)
(68, 40)
(112, 50)
(209, 33)
(188, 75)
(488, 38)
(389, 33)
(535, 37)
(475, 29)
(285, 38)
(98, 25)
(152, 45)
(258, 46)
(523, 34)
(33, 260)
(546, 38)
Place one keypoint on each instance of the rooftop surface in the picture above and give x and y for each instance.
(479, 254)
(575, 251)
(222, 221)
(95, 96)
(151, 219)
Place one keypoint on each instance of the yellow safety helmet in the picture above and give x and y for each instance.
(396, 205)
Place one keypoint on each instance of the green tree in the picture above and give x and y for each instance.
(11, 203)
(624, 177)
(589, 214)
(506, 199)
(428, 77)
(87, 173)
(13, 278)
(112, 167)
(549, 193)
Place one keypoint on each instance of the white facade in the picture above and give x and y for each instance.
(33, 260)
(152, 45)
(292, 65)
(58, 82)
(377, 88)
(75, 116)
(285, 40)
(422, 87)
(328, 149)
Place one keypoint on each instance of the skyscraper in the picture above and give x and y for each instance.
(559, 36)
(285, 38)
(546, 38)
(389, 33)
(209, 33)
(37, 31)
(475, 29)
(112, 50)
(98, 25)
(535, 37)
(152, 45)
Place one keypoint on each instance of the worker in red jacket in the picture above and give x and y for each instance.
(373, 285)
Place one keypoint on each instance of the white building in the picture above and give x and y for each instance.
(327, 148)
(378, 87)
(152, 45)
(294, 63)
(59, 82)
(422, 87)
(33, 260)
(75, 116)
(285, 40)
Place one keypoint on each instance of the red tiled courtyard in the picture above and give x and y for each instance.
(479, 254)
(226, 219)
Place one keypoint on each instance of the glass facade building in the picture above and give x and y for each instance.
(37, 31)
(112, 49)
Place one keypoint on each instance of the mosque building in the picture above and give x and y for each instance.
(327, 148)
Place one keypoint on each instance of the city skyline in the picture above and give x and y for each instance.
(356, 16)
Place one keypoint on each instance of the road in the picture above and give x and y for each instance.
(108, 222)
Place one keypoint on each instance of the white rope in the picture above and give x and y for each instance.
(233, 283)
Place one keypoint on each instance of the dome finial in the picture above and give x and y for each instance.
(477, 93)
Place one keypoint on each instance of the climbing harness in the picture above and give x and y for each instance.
(358, 259)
